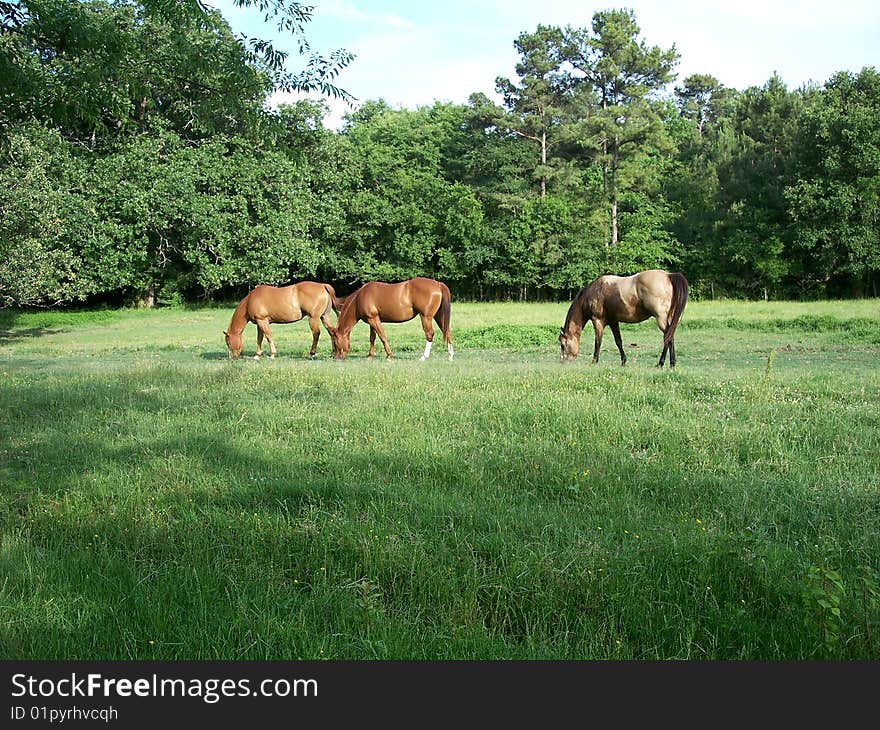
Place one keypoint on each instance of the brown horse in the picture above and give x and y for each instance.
(611, 300)
(376, 302)
(281, 305)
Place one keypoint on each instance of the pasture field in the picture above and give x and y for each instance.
(160, 501)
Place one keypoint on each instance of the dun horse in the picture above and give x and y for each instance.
(611, 300)
(267, 305)
(377, 302)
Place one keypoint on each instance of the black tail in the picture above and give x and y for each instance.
(336, 302)
(676, 306)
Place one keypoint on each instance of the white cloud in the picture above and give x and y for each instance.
(395, 21)
(447, 55)
(347, 11)
(341, 10)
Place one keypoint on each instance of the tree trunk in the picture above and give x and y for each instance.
(148, 297)
(615, 163)
(614, 221)
(543, 162)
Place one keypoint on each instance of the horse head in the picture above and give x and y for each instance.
(234, 343)
(341, 343)
(569, 345)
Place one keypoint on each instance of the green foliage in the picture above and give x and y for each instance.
(534, 107)
(156, 213)
(869, 588)
(836, 194)
(506, 336)
(862, 329)
(111, 69)
(703, 99)
(102, 68)
(620, 73)
(139, 163)
(403, 217)
(41, 219)
(823, 596)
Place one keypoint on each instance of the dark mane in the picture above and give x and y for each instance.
(577, 305)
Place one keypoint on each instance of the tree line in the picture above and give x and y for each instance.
(141, 164)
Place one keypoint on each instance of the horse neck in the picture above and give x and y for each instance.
(347, 318)
(575, 319)
(239, 318)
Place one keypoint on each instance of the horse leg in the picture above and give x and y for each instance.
(615, 330)
(672, 353)
(259, 343)
(429, 335)
(663, 357)
(372, 343)
(447, 338)
(662, 323)
(263, 324)
(376, 324)
(314, 323)
(600, 328)
(328, 325)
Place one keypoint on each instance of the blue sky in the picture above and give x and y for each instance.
(413, 53)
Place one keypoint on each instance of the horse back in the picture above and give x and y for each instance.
(399, 302)
(312, 297)
(274, 303)
(630, 299)
(614, 299)
(654, 289)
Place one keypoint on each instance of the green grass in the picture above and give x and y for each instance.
(160, 501)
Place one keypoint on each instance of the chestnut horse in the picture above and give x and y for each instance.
(377, 302)
(611, 300)
(281, 305)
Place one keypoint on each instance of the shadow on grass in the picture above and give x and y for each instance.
(202, 542)
(290, 354)
(7, 335)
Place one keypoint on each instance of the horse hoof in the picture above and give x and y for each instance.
(256, 357)
(271, 357)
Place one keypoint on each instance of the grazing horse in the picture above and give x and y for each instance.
(280, 305)
(377, 302)
(611, 300)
